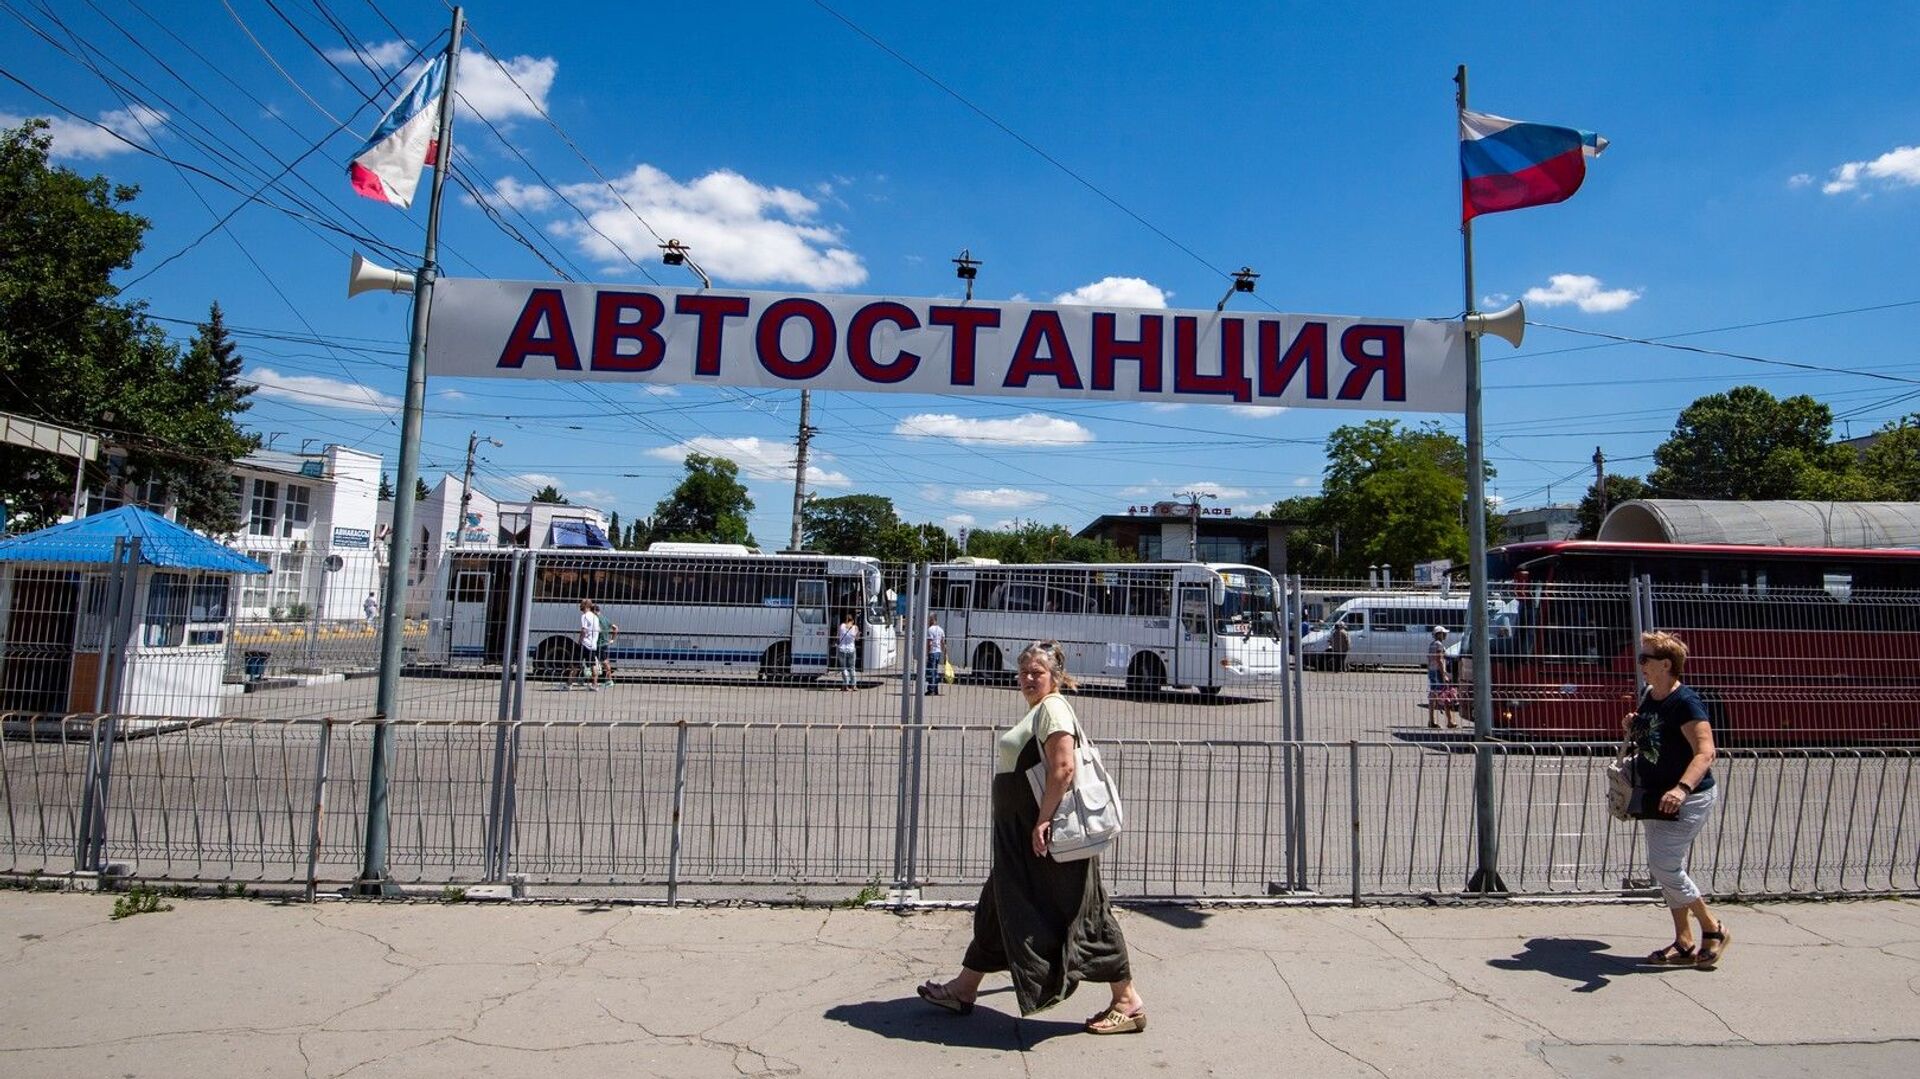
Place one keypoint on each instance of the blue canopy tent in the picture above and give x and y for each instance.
(65, 608)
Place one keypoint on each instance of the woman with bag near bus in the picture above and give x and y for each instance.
(1673, 755)
(1047, 923)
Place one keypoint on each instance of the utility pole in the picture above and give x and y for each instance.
(1599, 484)
(800, 471)
(466, 487)
(1193, 520)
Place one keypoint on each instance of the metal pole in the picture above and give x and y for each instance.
(1486, 876)
(910, 702)
(1299, 733)
(800, 473)
(466, 491)
(373, 870)
(497, 796)
(924, 594)
(1353, 799)
(319, 808)
(1636, 599)
(510, 783)
(679, 803)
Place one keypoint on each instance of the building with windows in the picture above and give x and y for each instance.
(313, 519)
(1175, 532)
(1559, 521)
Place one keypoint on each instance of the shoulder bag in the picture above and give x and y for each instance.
(1620, 784)
(1089, 818)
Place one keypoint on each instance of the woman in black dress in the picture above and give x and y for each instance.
(1046, 923)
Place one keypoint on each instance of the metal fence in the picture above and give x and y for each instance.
(768, 809)
(690, 774)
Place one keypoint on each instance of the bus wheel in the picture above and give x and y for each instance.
(986, 663)
(557, 657)
(1146, 674)
(777, 664)
(1211, 691)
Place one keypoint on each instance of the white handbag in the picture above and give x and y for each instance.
(1089, 818)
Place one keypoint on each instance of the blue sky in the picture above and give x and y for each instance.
(1762, 173)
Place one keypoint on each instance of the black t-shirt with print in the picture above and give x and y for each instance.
(1663, 752)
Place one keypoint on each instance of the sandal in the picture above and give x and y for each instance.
(1115, 1021)
(1712, 946)
(936, 994)
(1673, 955)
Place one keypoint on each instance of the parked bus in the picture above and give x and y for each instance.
(1789, 645)
(690, 607)
(1145, 625)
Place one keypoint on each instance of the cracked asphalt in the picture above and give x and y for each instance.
(216, 987)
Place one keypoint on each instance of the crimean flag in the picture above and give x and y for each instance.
(1510, 164)
(388, 167)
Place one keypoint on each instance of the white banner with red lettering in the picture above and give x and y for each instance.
(721, 337)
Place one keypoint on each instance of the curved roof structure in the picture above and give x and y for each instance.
(1764, 524)
(163, 543)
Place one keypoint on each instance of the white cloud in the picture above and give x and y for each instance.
(1116, 292)
(1216, 490)
(1583, 290)
(758, 458)
(1305, 481)
(998, 498)
(1898, 167)
(319, 392)
(521, 196)
(1032, 429)
(1165, 406)
(595, 499)
(498, 90)
(1799, 180)
(77, 139)
(1494, 301)
(526, 484)
(737, 230)
(960, 520)
(385, 54)
(1258, 412)
(506, 90)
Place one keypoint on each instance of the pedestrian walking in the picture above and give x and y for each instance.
(936, 656)
(589, 646)
(845, 648)
(1047, 923)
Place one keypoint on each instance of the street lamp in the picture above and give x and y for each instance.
(966, 268)
(1243, 280)
(1193, 520)
(466, 485)
(675, 253)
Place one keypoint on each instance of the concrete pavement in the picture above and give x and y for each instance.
(259, 988)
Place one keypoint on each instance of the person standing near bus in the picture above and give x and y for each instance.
(936, 656)
(1439, 692)
(1673, 760)
(844, 649)
(1342, 644)
(589, 646)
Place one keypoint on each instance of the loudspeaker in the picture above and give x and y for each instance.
(370, 276)
(1509, 324)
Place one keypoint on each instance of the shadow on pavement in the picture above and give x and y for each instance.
(1177, 917)
(912, 1019)
(1576, 960)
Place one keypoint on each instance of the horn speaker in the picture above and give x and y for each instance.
(371, 276)
(1509, 324)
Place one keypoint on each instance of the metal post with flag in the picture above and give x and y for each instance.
(415, 132)
(1504, 165)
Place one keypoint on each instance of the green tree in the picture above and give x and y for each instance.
(550, 495)
(639, 535)
(709, 506)
(1748, 444)
(386, 487)
(1892, 463)
(1031, 541)
(420, 491)
(614, 535)
(1310, 543)
(1619, 489)
(1392, 495)
(200, 426)
(73, 354)
(848, 524)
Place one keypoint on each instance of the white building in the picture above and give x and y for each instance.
(490, 523)
(314, 518)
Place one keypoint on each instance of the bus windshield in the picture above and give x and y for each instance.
(1249, 607)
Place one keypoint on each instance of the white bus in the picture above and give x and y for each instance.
(1143, 624)
(691, 607)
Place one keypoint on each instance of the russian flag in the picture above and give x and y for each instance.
(387, 168)
(1509, 164)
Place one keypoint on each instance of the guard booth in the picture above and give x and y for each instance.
(123, 612)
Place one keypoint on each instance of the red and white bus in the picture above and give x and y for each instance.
(1790, 645)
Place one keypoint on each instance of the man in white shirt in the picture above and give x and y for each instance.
(936, 656)
(589, 646)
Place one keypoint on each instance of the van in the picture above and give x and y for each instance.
(1388, 629)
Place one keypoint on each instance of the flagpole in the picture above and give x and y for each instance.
(1486, 875)
(374, 878)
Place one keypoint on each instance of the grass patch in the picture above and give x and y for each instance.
(139, 899)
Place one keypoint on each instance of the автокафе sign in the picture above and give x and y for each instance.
(517, 329)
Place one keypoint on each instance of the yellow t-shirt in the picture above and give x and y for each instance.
(1044, 720)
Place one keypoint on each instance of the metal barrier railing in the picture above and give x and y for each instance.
(648, 808)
